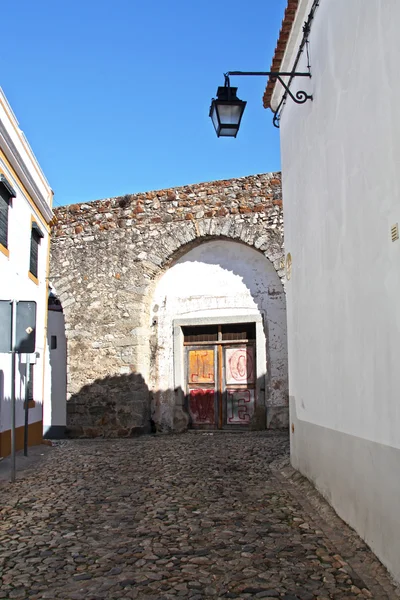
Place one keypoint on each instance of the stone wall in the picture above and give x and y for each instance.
(106, 258)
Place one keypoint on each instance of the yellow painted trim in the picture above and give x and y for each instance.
(26, 193)
(31, 404)
(33, 278)
(35, 437)
(4, 250)
(28, 150)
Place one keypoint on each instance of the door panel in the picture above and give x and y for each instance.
(201, 381)
(240, 406)
(202, 365)
(239, 365)
(221, 385)
(239, 385)
(202, 406)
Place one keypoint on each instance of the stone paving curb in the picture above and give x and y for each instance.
(363, 565)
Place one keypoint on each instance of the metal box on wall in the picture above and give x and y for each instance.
(25, 329)
(5, 325)
(25, 338)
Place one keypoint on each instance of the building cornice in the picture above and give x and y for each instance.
(21, 169)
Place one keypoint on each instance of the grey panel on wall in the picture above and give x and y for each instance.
(5, 325)
(26, 327)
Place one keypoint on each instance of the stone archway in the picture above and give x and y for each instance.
(106, 259)
(218, 282)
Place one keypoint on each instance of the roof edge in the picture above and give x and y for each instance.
(284, 35)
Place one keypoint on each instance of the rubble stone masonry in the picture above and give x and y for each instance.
(106, 258)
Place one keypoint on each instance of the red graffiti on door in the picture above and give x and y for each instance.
(239, 365)
(201, 406)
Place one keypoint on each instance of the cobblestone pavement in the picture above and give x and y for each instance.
(192, 516)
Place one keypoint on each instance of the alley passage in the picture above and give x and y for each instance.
(186, 516)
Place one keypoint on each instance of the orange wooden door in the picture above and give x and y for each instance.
(221, 382)
(202, 382)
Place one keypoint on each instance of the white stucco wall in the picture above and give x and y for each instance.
(222, 279)
(55, 409)
(32, 202)
(341, 185)
(16, 285)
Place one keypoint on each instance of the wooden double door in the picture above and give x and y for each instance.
(221, 382)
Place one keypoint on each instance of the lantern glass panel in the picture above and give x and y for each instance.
(214, 116)
(230, 114)
(231, 132)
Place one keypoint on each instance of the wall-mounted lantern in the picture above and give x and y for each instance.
(227, 109)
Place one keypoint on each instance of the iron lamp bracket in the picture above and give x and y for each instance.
(300, 97)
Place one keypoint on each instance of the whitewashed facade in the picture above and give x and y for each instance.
(55, 407)
(341, 186)
(220, 282)
(26, 214)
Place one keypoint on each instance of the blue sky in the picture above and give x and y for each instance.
(114, 96)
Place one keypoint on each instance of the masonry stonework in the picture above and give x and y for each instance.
(107, 257)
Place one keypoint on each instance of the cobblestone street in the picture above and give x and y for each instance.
(192, 516)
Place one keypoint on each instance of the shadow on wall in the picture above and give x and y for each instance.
(115, 406)
(35, 436)
(123, 406)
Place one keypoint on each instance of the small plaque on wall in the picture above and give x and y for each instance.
(288, 266)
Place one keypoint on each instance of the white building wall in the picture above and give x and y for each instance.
(341, 186)
(16, 285)
(32, 203)
(222, 279)
(55, 410)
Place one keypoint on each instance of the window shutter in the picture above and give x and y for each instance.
(33, 264)
(6, 192)
(3, 221)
